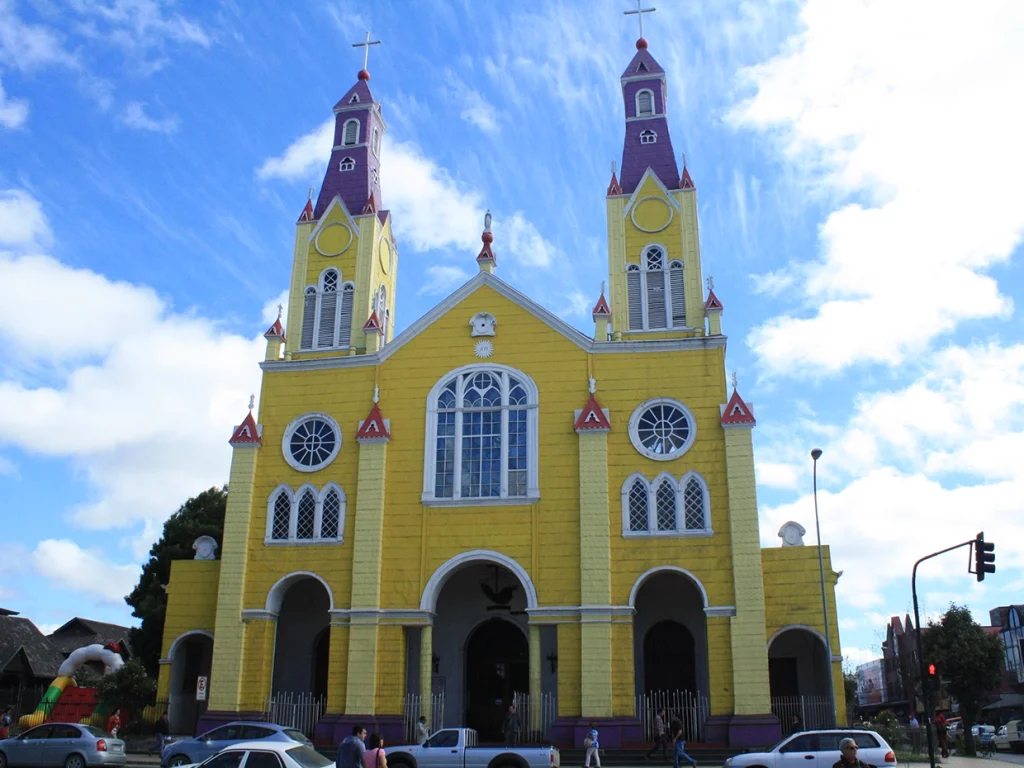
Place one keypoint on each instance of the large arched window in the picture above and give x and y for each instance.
(306, 516)
(654, 289)
(481, 438)
(350, 134)
(327, 313)
(644, 103)
(665, 506)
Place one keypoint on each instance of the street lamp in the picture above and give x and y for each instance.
(815, 455)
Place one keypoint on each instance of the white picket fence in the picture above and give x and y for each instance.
(536, 717)
(413, 710)
(301, 711)
(813, 711)
(691, 709)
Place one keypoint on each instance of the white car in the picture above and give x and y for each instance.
(1001, 740)
(267, 754)
(817, 749)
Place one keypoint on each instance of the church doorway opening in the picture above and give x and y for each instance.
(497, 667)
(798, 670)
(303, 640)
(670, 661)
(191, 658)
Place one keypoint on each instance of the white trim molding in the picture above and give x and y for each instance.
(298, 422)
(805, 628)
(720, 610)
(437, 581)
(651, 488)
(181, 638)
(275, 595)
(666, 569)
(258, 614)
(634, 428)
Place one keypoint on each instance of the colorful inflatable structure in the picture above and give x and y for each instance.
(63, 700)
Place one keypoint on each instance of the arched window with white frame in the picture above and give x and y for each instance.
(350, 133)
(308, 317)
(306, 516)
(655, 294)
(347, 164)
(678, 296)
(648, 137)
(644, 103)
(380, 306)
(665, 506)
(327, 315)
(376, 142)
(345, 315)
(482, 438)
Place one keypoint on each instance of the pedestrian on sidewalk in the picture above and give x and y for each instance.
(660, 737)
(679, 745)
(161, 729)
(942, 733)
(422, 733)
(511, 727)
(352, 749)
(848, 756)
(593, 747)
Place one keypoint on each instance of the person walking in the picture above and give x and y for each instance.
(161, 729)
(422, 734)
(352, 749)
(679, 745)
(848, 756)
(511, 727)
(374, 757)
(114, 722)
(593, 746)
(5, 723)
(915, 733)
(942, 733)
(797, 725)
(660, 737)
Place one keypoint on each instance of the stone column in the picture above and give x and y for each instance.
(427, 674)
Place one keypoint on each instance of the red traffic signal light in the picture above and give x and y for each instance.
(931, 670)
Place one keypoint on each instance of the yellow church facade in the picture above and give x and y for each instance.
(493, 507)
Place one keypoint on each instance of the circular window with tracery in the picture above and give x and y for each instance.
(311, 442)
(662, 429)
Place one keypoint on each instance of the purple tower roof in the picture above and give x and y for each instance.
(647, 143)
(353, 172)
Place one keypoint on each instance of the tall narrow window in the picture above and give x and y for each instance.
(644, 103)
(638, 506)
(376, 143)
(351, 133)
(282, 510)
(484, 437)
(634, 297)
(648, 137)
(328, 322)
(654, 262)
(305, 519)
(383, 313)
(306, 516)
(345, 316)
(675, 282)
(330, 515)
(694, 504)
(665, 506)
(308, 318)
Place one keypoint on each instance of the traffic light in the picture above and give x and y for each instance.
(984, 557)
(931, 670)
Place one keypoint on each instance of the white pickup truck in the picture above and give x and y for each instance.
(457, 748)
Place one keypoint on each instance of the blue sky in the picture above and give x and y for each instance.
(858, 170)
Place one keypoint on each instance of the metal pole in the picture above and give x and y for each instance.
(815, 454)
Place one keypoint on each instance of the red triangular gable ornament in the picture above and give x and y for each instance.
(613, 186)
(737, 411)
(373, 324)
(686, 182)
(374, 427)
(307, 212)
(246, 433)
(712, 302)
(601, 309)
(486, 254)
(276, 331)
(371, 206)
(592, 417)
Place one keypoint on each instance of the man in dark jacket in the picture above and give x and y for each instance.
(848, 755)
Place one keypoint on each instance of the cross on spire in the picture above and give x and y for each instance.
(735, 380)
(711, 283)
(365, 45)
(252, 402)
(280, 310)
(639, 13)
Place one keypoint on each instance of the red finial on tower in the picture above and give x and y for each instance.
(641, 44)
(364, 73)
(307, 212)
(486, 258)
(613, 185)
(601, 309)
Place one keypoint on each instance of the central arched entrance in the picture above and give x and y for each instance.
(302, 646)
(670, 660)
(497, 667)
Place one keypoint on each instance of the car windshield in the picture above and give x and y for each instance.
(298, 736)
(308, 758)
(94, 731)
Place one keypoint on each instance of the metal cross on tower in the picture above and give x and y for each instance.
(639, 13)
(365, 45)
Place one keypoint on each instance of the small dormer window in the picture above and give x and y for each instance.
(347, 164)
(648, 137)
(354, 99)
(350, 136)
(376, 143)
(644, 103)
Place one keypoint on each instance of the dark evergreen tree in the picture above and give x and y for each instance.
(202, 515)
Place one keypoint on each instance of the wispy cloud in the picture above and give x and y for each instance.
(71, 567)
(13, 112)
(135, 116)
(442, 280)
(23, 224)
(475, 108)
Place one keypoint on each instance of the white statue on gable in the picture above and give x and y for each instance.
(205, 548)
(483, 324)
(792, 534)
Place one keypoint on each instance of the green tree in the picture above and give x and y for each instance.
(850, 689)
(129, 689)
(968, 659)
(202, 515)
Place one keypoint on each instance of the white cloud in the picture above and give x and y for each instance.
(773, 283)
(23, 224)
(134, 116)
(47, 629)
(65, 563)
(442, 280)
(13, 112)
(475, 108)
(138, 24)
(847, 623)
(7, 467)
(877, 124)
(303, 159)
(524, 243)
(774, 474)
(858, 656)
(29, 46)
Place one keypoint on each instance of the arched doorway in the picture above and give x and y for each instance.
(670, 661)
(798, 670)
(497, 667)
(191, 657)
(303, 639)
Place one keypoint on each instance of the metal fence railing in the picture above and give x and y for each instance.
(301, 711)
(813, 711)
(414, 708)
(535, 717)
(691, 709)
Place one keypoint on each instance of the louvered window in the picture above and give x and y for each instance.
(345, 316)
(328, 323)
(634, 297)
(282, 514)
(351, 137)
(308, 318)
(305, 523)
(644, 103)
(638, 506)
(675, 281)
(330, 515)
(656, 299)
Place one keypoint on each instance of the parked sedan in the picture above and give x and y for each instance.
(196, 750)
(268, 754)
(62, 744)
(817, 749)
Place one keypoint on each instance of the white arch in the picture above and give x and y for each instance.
(637, 112)
(437, 581)
(804, 627)
(527, 382)
(272, 503)
(185, 636)
(276, 594)
(666, 569)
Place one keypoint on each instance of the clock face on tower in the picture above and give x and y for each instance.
(385, 256)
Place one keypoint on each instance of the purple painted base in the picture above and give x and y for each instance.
(743, 731)
(211, 719)
(332, 729)
(615, 732)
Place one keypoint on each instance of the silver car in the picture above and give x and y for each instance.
(62, 744)
(196, 750)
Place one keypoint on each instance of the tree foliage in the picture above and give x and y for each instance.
(968, 659)
(850, 689)
(129, 689)
(202, 515)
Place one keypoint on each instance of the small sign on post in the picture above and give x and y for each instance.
(202, 683)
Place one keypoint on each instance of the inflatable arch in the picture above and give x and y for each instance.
(109, 655)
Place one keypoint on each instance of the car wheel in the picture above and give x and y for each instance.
(74, 761)
(3, 760)
(178, 760)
